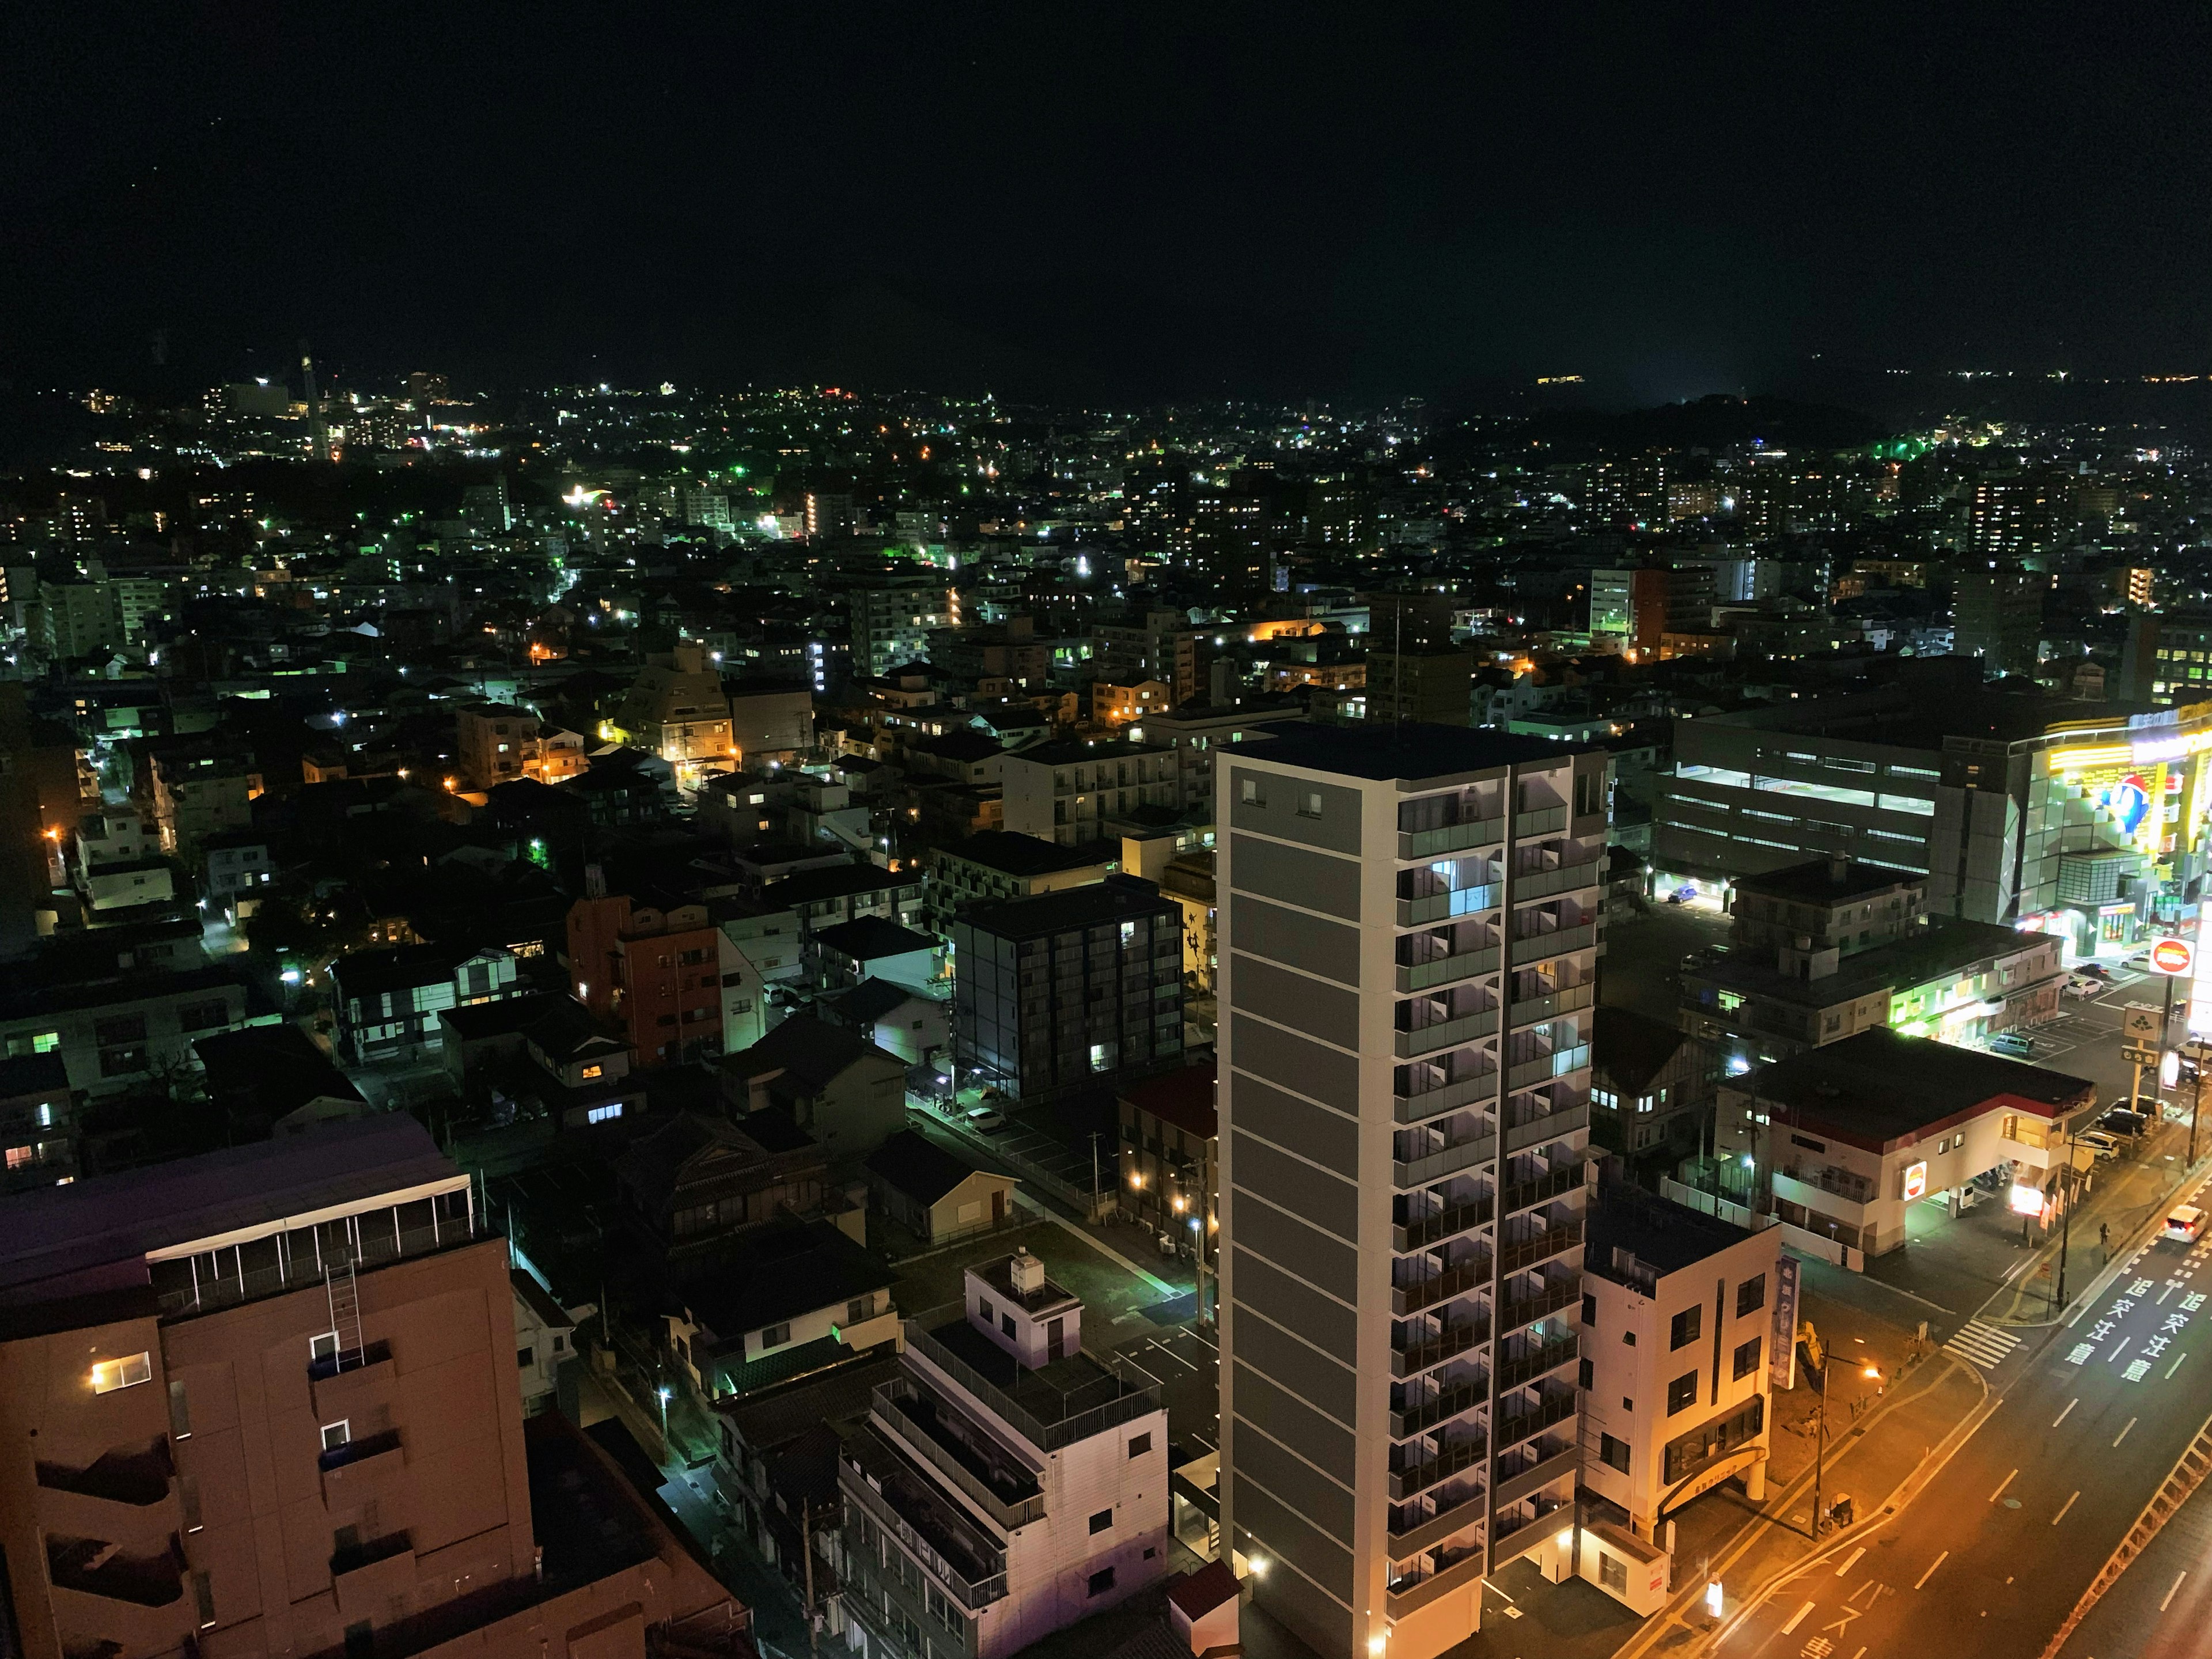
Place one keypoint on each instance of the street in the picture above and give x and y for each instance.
(1996, 1551)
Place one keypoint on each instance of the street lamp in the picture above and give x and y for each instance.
(662, 1394)
(1873, 1374)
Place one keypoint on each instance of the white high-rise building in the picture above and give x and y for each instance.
(1408, 954)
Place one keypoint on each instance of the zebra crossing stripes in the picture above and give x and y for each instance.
(1982, 1345)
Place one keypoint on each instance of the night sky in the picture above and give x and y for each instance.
(1105, 201)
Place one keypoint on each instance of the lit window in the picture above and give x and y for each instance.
(591, 1071)
(19, 1156)
(109, 1375)
(601, 1114)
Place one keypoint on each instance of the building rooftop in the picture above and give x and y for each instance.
(1071, 751)
(918, 1166)
(864, 938)
(1826, 881)
(837, 881)
(1631, 1048)
(503, 1016)
(1413, 751)
(771, 1273)
(1115, 898)
(1054, 1405)
(1659, 1233)
(810, 1051)
(1185, 1097)
(1013, 854)
(1946, 947)
(52, 1238)
(1878, 1089)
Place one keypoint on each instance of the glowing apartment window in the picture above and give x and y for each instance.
(109, 1375)
(601, 1114)
(591, 1071)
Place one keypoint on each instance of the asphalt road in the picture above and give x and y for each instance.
(2162, 1607)
(1995, 1555)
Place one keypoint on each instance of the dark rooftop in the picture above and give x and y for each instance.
(1631, 1048)
(1878, 1089)
(1013, 854)
(918, 1166)
(1184, 1097)
(1117, 897)
(1661, 1234)
(1070, 751)
(1822, 882)
(1943, 948)
(865, 938)
(1413, 751)
(772, 1273)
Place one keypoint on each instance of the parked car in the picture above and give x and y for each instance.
(2184, 1225)
(2093, 969)
(2018, 1044)
(2121, 1121)
(2083, 985)
(2104, 1146)
(2143, 1106)
(985, 1121)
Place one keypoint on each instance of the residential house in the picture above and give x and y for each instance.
(388, 1001)
(935, 1195)
(837, 1085)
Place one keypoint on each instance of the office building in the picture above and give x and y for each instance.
(1007, 1482)
(1408, 958)
(1683, 1329)
(1068, 992)
(273, 1394)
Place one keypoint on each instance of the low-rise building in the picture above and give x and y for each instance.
(1170, 1153)
(1680, 1337)
(1001, 865)
(1197, 731)
(913, 1025)
(839, 956)
(1007, 1484)
(836, 1082)
(1651, 1084)
(114, 1031)
(1844, 1138)
(37, 1116)
(388, 1001)
(935, 1195)
(777, 1301)
(544, 1342)
(1064, 791)
(678, 710)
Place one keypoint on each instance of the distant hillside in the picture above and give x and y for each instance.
(1713, 422)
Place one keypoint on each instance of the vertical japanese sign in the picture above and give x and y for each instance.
(1781, 1349)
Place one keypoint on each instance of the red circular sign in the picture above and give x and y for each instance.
(2171, 956)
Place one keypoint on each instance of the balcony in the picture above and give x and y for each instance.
(1536, 947)
(1527, 1310)
(137, 1477)
(1552, 1183)
(1418, 1235)
(915, 1420)
(1444, 906)
(1538, 821)
(1447, 1403)
(1416, 1358)
(93, 1566)
(1453, 1281)
(362, 1468)
(178, 1296)
(1410, 1596)
(1449, 838)
(1416, 1477)
(899, 1498)
(1563, 878)
(1445, 1096)
(1554, 1003)
(1525, 1130)
(1445, 1160)
(1437, 1528)
(1526, 1366)
(1513, 1427)
(1443, 970)
(1448, 1033)
(368, 1576)
(1525, 1253)
(1512, 1489)
(1559, 1063)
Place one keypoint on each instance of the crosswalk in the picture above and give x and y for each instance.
(1982, 1345)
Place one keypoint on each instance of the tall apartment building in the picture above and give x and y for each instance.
(1068, 991)
(272, 1395)
(1005, 1483)
(1408, 957)
(1997, 616)
(892, 620)
(655, 976)
(678, 709)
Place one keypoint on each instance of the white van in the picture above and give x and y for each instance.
(2184, 1226)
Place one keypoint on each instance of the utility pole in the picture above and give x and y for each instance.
(1095, 1209)
(2070, 1185)
(806, 1551)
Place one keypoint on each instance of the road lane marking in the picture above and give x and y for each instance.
(2063, 1415)
(2177, 1359)
(1797, 1618)
(1932, 1565)
(2123, 1434)
(1172, 1354)
(2113, 1357)
(2170, 1588)
(2063, 1507)
(1850, 1559)
(2171, 1286)
(1994, 1496)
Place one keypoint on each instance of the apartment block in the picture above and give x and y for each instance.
(654, 975)
(1007, 1482)
(1408, 958)
(1063, 792)
(273, 1394)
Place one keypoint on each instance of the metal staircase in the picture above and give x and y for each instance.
(345, 1311)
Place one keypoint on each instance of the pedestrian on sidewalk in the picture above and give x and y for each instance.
(2105, 1239)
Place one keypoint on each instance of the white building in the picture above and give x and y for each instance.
(1408, 951)
(1682, 1326)
(1061, 792)
(1006, 1483)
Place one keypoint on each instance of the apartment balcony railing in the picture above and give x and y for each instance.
(1544, 1067)
(1450, 1223)
(1445, 1160)
(1525, 1126)
(1526, 1253)
(1417, 1533)
(1134, 1400)
(1429, 1102)
(1525, 1368)
(1447, 1033)
(1532, 1009)
(1563, 878)
(925, 1524)
(1527, 1310)
(1453, 1281)
(1513, 1427)
(1443, 970)
(1410, 1420)
(1538, 1189)
(1512, 1488)
(908, 1416)
(1449, 838)
(1417, 1357)
(302, 1270)
(1535, 947)
(1442, 907)
(1538, 821)
(1419, 1477)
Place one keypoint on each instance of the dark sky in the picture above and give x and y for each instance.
(1105, 200)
